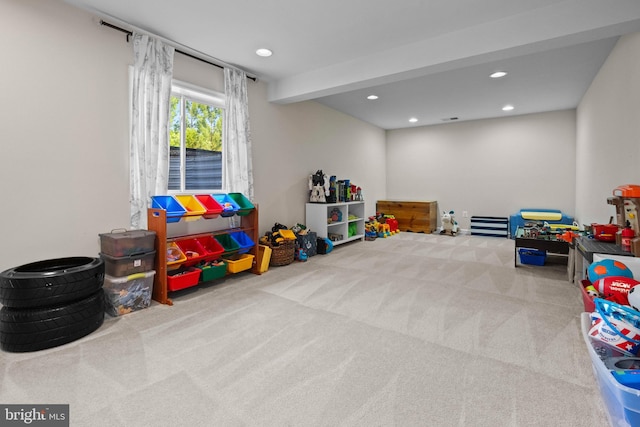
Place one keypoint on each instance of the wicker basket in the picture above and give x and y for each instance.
(283, 254)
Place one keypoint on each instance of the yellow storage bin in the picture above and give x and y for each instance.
(239, 263)
(194, 208)
(264, 257)
(175, 256)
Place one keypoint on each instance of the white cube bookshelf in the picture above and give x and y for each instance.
(318, 220)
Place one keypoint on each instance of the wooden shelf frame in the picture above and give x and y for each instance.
(157, 221)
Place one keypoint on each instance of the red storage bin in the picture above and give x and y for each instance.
(213, 208)
(214, 250)
(183, 278)
(193, 250)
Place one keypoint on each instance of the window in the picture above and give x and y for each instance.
(195, 139)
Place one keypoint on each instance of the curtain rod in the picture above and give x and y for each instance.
(130, 33)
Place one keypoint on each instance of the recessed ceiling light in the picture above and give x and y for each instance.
(264, 52)
(498, 74)
(413, 120)
(508, 107)
(372, 97)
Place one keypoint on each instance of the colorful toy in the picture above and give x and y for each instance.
(592, 292)
(607, 267)
(318, 187)
(384, 230)
(301, 255)
(615, 288)
(393, 223)
(634, 298)
(449, 224)
(335, 216)
(371, 230)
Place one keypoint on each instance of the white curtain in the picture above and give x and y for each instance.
(238, 168)
(150, 103)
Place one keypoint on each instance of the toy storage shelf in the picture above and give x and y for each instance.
(317, 219)
(157, 221)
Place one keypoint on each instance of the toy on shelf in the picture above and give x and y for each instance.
(356, 193)
(318, 187)
(449, 224)
(334, 216)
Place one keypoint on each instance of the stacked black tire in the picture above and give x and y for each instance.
(49, 303)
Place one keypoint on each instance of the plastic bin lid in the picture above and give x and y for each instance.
(132, 256)
(127, 234)
(130, 277)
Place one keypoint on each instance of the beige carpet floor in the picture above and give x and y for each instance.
(412, 330)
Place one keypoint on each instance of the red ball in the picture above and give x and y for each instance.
(615, 288)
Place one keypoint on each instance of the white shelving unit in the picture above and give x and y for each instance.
(318, 215)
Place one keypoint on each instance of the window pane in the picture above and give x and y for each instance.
(203, 139)
(200, 143)
(174, 144)
(204, 169)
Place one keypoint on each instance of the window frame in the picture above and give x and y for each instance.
(201, 95)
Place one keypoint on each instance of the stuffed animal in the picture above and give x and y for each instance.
(449, 224)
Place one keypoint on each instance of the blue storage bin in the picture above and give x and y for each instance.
(244, 241)
(175, 210)
(622, 402)
(532, 256)
(229, 206)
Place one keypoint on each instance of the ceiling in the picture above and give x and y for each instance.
(428, 59)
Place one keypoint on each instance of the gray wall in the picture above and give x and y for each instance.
(608, 132)
(486, 167)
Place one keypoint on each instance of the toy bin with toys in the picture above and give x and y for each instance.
(229, 206)
(622, 401)
(127, 265)
(183, 278)
(211, 246)
(126, 294)
(175, 256)
(123, 242)
(192, 249)
(212, 270)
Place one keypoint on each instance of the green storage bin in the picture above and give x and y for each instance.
(228, 243)
(212, 272)
(245, 205)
